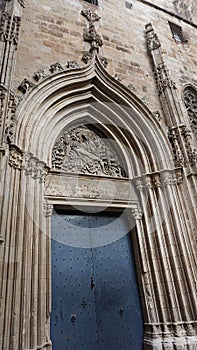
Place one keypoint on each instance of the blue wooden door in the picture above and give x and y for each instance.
(95, 298)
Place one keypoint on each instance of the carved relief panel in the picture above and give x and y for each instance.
(84, 150)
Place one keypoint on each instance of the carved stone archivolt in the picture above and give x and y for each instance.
(84, 150)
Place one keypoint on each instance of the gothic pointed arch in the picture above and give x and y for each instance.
(84, 139)
(91, 95)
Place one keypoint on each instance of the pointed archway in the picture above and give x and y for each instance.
(66, 101)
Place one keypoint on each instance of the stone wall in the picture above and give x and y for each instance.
(53, 32)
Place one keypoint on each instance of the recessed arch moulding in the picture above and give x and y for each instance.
(89, 96)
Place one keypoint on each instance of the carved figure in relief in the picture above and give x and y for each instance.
(82, 150)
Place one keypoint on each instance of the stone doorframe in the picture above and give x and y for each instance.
(164, 244)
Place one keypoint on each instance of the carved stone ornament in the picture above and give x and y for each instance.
(191, 150)
(9, 28)
(137, 213)
(175, 143)
(72, 64)
(2, 102)
(90, 15)
(15, 157)
(25, 86)
(56, 67)
(11, 118)
(190, 100)
(103, 61)
(162, 78)
(157, 115)
(87, 57)
(91, 36)
(84, 150)
(48, 209)
(132, 87)
(39, 75)
(152, 39)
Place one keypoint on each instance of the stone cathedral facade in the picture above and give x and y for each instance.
(98, 113)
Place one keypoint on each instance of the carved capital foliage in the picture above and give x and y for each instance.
(72, 64)
(10, 123)
(157, 180)
(15, 157)
(152, 39)
(191, 150)
(162, 78)
(90, 34)
(103, 61)
(87, 57)
(9, 28)
(56, 67)
(137, 213)
(28, 163)
(8, 106)
(25, 86)
(40, 74)
(3, 92)
(48, 209)
(34, 167)
(174, 139)
(90, 15)
(84, 150)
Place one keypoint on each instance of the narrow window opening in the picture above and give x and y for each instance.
(177, 33)
(93, 2)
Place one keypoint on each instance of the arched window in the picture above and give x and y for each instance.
(190, 100)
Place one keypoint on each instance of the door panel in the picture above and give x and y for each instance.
(95, 299)
(118, 308)
(73, 317)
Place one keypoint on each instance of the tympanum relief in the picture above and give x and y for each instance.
(84, 150)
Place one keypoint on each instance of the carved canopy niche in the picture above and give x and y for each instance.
(85, 150)
(190, 99)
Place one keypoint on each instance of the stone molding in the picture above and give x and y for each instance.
(83, 187)
(26, 162)
(171, 336)
(9, 28)
(160, 179)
